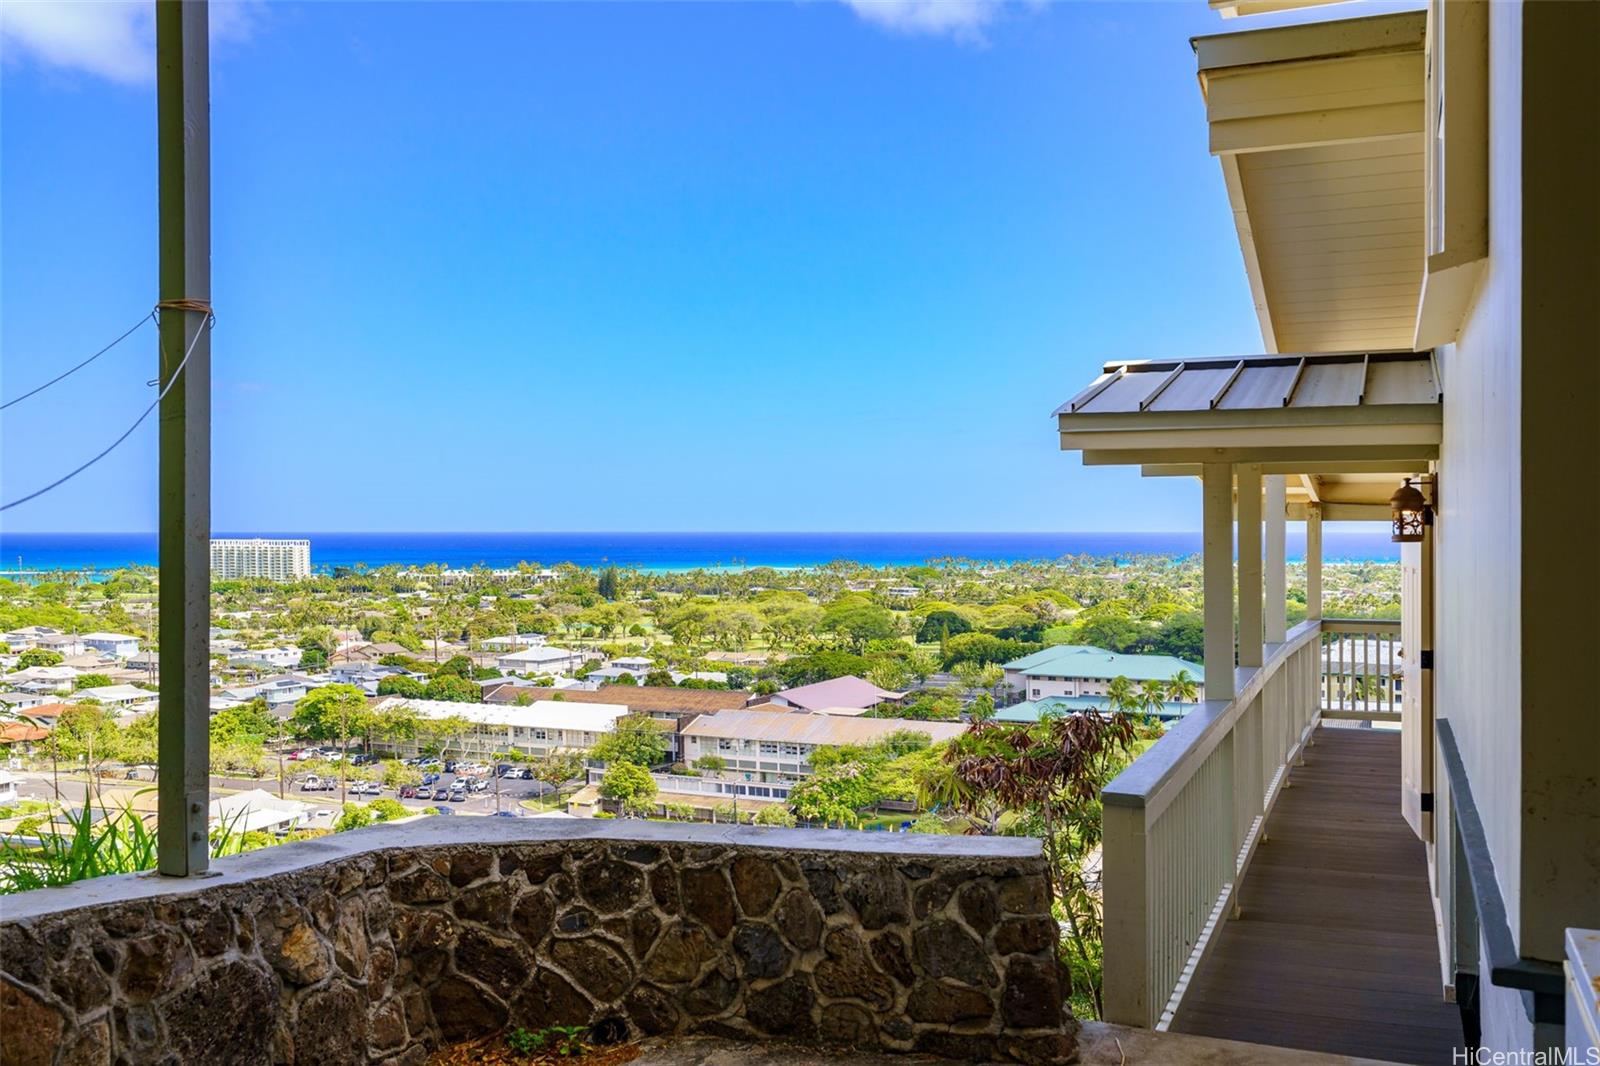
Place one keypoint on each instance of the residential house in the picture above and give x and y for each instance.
(371, 653)
(8, 786)
(541, 659)
(258, 811)
(43, 679)
(278, 657)
(637, 665)
(1080, 670)
(766, 747)
(1415, 200)
(714, 677)
(20, 702)
(513, 642)
(121, 698)
(116, 645)
(281, 692)
(63, 644)
(26, 637)
(840, 693)
(147, 661)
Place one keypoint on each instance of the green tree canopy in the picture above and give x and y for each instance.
(452, 688)
(634, 738)
(400, 685)
(857, 622)
(629, 784)
(38, 657)
(333, 713)
(248, 722)
(832, 795)
(943, 624)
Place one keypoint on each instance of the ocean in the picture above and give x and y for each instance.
(667, 551)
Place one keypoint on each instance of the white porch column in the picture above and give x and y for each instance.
(1277, 577)
(1217, 539)
(1313, 560)
(1249, 505)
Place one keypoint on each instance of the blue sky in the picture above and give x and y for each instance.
(775, 266)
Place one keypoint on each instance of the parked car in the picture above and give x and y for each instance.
(313, 783)
(477, 784)
(429, 778)
(458, 797)
(441, 810)
(505, 814)
(367, 788)
(408, 792)
(449, 766)
(441, 793)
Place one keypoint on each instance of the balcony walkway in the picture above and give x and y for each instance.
(1335, 949)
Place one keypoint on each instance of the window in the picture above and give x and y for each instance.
(769, 747)
(724, 744)
(1456, 164)
(540, 734)
(791, 751)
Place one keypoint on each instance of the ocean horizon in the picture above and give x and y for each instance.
(666, 552)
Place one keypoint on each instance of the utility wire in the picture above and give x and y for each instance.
(80, 366)
(176, 374)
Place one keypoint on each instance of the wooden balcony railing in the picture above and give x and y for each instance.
(1362, 670)
(1182, 822)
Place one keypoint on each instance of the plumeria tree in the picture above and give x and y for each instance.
(1048, 776)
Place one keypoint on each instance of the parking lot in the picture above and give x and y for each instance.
(479, 796)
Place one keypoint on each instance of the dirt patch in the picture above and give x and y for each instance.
(492, 1051)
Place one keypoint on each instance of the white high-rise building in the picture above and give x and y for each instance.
(281, 560)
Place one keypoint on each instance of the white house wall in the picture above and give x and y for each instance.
(1508, 604)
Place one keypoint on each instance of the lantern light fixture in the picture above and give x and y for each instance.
(1409, 514)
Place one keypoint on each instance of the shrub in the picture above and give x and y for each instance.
(775, 815)
(385, 809)
(355, 816)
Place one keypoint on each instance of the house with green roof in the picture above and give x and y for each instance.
(1081, 670)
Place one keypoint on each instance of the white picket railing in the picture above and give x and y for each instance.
(1182, 822)
(1362, 670)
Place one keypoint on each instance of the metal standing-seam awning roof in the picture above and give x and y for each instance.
(1372, 412)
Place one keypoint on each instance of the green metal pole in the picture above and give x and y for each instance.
(183, 133)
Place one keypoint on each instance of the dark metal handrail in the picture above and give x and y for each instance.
(1541, 983)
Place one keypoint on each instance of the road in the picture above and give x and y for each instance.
(39, 785)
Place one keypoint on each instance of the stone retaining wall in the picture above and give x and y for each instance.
(379, 945)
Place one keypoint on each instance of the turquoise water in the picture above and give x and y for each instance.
(666, 551)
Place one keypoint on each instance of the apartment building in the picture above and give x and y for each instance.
(776, 745)
(538, 728)
(1081, 670)
(278, 560)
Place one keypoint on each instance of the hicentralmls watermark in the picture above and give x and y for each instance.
(1562, 1056)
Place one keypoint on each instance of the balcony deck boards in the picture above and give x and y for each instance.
(1335, 949)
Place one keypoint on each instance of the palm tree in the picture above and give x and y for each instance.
(1182, 688)
(1153, 697)
(1120, 695)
